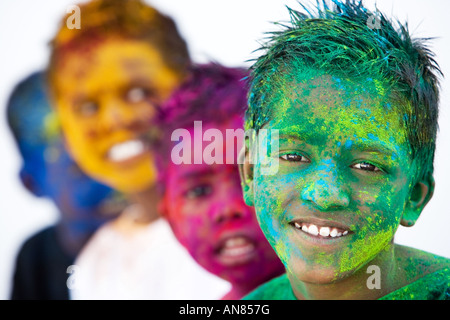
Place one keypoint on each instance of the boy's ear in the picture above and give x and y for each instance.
(30, 183)
(246, 175)
(420, 195)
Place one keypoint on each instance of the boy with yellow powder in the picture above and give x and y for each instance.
(108, 80)
(355, 108)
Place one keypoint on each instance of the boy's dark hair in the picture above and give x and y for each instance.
(349, 40)
(128, 19)
(211, 93)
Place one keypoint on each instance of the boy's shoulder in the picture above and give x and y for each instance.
(426, 275)
(433, 286)
(278, 288)
(417, 263)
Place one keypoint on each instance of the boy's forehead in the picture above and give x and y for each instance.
(326, 97)
(318, 85)
(336, 108)
(108, 61)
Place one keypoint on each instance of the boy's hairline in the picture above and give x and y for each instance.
(53, 68)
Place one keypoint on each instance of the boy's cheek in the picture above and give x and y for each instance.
(274, 195)
(387, 198)
(269, 200)
(178, 226)
(186, 225)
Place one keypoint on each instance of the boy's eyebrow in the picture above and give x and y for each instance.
(373, 147)
(140, 80)
(197, 173)
(79, 98)
(297, 135)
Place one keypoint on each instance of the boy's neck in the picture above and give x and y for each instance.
(148, 201)
(71, 241)
(356, 286)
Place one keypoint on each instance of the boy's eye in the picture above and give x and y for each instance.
(293, 157)
(136, 95)
(88, 108)
(198, 192)
(366, 167)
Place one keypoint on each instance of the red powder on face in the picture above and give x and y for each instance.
(206, 209)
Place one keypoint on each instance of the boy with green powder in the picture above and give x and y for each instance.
(355, 107)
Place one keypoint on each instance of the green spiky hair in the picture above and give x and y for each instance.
(346, 39)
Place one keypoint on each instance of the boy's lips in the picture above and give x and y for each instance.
(127, 150)
(321, 229)
(235, 249)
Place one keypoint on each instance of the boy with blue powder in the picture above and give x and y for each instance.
(49, 172)
(356, 112)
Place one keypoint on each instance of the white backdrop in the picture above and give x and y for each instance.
(226, 31)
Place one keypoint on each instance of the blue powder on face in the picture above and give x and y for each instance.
(348, 144)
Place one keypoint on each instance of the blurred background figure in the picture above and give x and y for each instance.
(48, 171)
(203, 200)
(108, 80)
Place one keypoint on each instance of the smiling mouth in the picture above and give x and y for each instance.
(127, 150)
(321, 230)
(236, 250)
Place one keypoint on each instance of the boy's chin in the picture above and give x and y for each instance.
(316, 274)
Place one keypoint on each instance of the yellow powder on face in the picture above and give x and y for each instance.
(101, 78)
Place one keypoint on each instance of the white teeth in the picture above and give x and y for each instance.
(233, 242)
(322, 231)
(313, 230)
(237, 246)
(237, 251)
(126, 150)
(333, 232)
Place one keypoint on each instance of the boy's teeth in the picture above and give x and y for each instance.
(237, 246)
(325, 232)
(313, 230)
(333, 232)
(234, 242)
(126, 150)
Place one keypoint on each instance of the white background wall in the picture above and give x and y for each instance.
(226, 31)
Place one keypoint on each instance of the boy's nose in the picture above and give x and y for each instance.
(118, 115)
(325, 191)
(229, 211)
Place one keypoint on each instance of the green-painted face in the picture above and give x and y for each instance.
(344, 177)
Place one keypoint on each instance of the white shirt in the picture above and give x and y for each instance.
(148, 263)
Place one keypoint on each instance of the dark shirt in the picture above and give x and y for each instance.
(41, 269)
